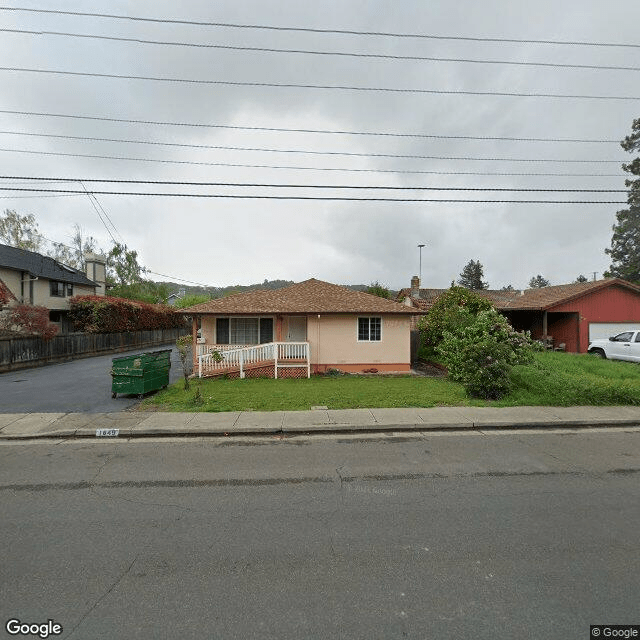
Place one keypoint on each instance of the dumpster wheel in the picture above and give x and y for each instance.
(114, 395)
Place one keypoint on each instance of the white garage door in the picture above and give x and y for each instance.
(598, 330)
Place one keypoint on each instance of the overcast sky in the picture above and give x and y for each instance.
(239, 241)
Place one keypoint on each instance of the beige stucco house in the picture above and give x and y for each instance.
(39, 280)
(307, 327)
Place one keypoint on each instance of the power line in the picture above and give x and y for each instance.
(270, 185)
(298, 168)
(331, 198)
(292, 85)
(232, 25)
(298, 151)
(200, 284)
(97, 211)
(349, 54)
(291, 130)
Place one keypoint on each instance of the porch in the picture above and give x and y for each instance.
(272, 360)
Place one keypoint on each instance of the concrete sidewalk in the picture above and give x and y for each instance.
(19, 426)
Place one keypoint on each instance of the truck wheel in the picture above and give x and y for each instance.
(599, 353)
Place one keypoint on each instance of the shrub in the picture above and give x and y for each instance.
(31, 319)
(453, 310)
(481, 352)
(105, 314)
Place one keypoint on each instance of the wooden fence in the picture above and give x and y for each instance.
(18, 353)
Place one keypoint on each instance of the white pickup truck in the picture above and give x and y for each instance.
(624, 346)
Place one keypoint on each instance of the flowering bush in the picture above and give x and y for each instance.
(455, 307)
(481, 351)
(31, 319)
(104, 314)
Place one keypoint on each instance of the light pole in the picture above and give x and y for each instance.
(420, 271)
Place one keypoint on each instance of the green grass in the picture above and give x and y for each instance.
(566, 379)
(554, 379)
(344, 392)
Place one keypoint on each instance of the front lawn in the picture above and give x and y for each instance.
(554, 379)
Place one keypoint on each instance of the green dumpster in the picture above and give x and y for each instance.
(140, 373)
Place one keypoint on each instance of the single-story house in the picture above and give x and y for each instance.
(40, 280)
(307, 327)
(566, 314)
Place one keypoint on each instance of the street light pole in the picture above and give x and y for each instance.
(420, 272)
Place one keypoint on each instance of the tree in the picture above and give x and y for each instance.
(20, 231)
(191, 299)
(123, 267)
(509, 287)
(625, 241)
(581, 278)
(377, 289)
(471, 276)
(537, 282)
(74, 255)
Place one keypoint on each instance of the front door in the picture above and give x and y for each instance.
(296, 329)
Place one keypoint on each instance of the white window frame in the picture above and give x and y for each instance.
(369, 340)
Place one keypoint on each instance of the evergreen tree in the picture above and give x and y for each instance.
(625, 241)
(581, 278)
(471, 276)
(537, 282)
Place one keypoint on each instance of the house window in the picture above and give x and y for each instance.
(56, 288)
(369, 329)
(222, 330)
(69, 289)
(266, 330)
(244, 330)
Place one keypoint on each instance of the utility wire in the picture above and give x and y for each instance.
(291, 130)
(270, 185)
(349, 54)
(298, 168)
(297, 151)
(97, 211)
(232, 25)
(292, 85)
(331, 198)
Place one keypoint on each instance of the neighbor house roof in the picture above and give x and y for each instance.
(310, 296)
(41, 266)
(529, 299)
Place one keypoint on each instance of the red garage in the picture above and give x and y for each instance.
(572, 314)
(567, 314)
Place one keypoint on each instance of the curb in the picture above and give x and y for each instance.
(130, 433)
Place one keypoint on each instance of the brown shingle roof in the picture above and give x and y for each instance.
(529, 299)
(310, 296)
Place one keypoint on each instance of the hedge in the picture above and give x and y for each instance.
(104, 314)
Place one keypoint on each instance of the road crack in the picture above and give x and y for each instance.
(117, 581)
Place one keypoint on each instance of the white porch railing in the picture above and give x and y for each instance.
(222, 358)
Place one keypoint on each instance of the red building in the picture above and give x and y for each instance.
(569, 314)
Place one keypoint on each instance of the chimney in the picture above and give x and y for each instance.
(415, 287)
(95, 266)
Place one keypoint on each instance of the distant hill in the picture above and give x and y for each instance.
(221, 292)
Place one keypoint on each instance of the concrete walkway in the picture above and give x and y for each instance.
(19, 426)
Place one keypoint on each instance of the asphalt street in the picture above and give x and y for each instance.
(82, 385)
(487, 535)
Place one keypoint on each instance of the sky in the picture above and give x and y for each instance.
(225, 241)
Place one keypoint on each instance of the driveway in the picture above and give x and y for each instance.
(78, 386)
